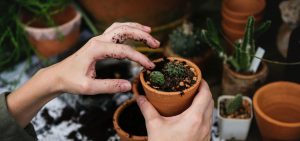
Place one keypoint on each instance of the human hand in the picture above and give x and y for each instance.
(194, 124)
(76, 73)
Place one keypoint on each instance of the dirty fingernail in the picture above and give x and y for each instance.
(126, 86)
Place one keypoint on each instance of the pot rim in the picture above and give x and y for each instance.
(47, 29)
(261, 71)
(260, 10)
(117, 113)
(259, 111)
(191, 64)
(230, 97)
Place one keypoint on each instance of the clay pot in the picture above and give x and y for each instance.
(171, 103)
(232, 34)
(148, 12)
(46, 39)
(198, 60)
(234, 82)
(277, 111)
(235, 14)
(124, 136)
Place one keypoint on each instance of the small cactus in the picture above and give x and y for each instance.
(174, 70)
(234, 104)
(156, 77)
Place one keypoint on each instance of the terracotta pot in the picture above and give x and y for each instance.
(245, 6)
(239, 15)
(171, 103)
(234, 82)
(45, 39)
(124, 136)
(232, 34)
(148, 12)
(235, 14)
(277, 111)
(198, 60)
(236, 23)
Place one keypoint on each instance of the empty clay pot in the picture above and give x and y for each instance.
(236, 23)
(232, 34)
(277, 111)
(235, 14)
(46, 39)
(234, 82)
(125, 136)
(172, 103)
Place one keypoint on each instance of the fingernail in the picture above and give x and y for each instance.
(152, 65)
(157, 42)
(147, 28)
(126, 86)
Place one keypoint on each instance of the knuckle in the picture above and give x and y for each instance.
(85, 87)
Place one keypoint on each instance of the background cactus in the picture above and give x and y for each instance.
(156, 77)
(174, 69)
(234, 104)
(185, 41)
(244, 49)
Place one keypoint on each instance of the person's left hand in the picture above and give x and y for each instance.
(76, 73)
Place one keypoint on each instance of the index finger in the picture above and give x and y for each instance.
(101, 50)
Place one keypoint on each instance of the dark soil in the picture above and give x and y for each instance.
(172, 84)
(132, 121)
(243, 113)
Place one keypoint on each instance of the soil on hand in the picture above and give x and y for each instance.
(132, 121)
(172, 84)
(244, 112)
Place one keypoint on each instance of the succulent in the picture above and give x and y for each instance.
(156, 77)
(174, 69)
(234, 104)
(185, 42)
(244, 49)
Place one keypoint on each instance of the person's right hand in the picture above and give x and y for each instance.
(194, 124)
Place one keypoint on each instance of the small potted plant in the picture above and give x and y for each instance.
(129, 122)
(234, 116)
(238, 77)
(52, 26)
(171, 85)
(185, 42)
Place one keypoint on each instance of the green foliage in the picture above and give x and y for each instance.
(244, 49)
(234, 104)
(186, 42)
(174, 70)
(156, 77)
(13, 41)
(44, 9)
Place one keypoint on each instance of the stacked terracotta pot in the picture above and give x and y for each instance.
(235, 14)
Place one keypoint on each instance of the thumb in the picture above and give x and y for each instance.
(98, 86)
(148, 111)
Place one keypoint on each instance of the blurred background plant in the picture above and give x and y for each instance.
(185, 41)
(244, 49)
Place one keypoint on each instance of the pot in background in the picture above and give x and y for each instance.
(234, 82)
(277, 111)
(233, 128)
(125, 136)
(172, 103)
(46, 39)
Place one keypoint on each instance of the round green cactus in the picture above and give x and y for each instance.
(234, 104)
(174, 70)
(157, 78)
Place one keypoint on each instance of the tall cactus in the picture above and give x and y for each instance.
(244, 49)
